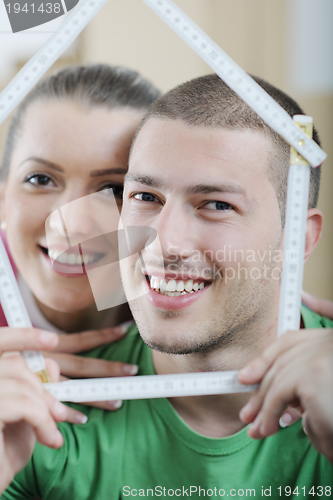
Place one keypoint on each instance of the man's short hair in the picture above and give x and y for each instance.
(207, 101)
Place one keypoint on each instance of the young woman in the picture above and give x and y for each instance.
(69, 140)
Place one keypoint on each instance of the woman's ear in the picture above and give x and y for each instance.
(2, 201)
(314, 227)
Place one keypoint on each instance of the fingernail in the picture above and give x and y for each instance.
(59, 410)
(81, 418)
(130, 369)
(47, 338)
(304, 430)
(285, 420)
(120, 330)
(115, 404)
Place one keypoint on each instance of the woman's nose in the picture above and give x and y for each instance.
(85, 218)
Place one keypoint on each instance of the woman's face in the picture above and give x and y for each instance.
(64, 152)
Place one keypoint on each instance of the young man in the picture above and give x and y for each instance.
(210, 177)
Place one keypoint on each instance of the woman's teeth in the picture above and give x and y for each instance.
(72, 259)
(173, 288)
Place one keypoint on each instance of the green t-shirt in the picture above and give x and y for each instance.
(145, 449)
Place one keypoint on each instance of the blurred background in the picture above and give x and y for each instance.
(287, 42)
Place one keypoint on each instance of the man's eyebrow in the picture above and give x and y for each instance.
(199, 189)
(219, 188)
(44, 162)
(144, 179)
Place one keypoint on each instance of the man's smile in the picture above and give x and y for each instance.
(174, 288)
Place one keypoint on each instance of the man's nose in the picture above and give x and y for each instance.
(176, 232)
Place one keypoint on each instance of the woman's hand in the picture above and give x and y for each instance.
(296, 370)
(324, 308)
(27, 411)
(72, 366)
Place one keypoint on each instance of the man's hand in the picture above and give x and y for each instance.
(297, 370)
(27, 411)
(72, 366)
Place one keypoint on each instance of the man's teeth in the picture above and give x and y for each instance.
(73, 259)
(174, 288)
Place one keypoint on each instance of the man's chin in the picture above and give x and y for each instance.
(179, 346)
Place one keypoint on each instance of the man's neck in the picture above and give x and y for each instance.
(216, 416)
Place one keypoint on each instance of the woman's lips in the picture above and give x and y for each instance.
(71, 270)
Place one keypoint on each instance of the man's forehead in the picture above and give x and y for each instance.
(172, 144)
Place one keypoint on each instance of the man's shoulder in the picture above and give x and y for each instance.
(314, 320)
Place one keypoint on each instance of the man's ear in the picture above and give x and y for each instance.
(314, 227)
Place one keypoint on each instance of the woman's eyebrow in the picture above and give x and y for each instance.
(47, 163)
(108, 171)
(93, 173)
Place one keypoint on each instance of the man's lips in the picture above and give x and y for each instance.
(175, 300)
(173, 287)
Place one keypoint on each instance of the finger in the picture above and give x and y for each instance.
(254, 371)
(106, 405)
(63, 412)
(250, 411)
(323, 443)
(290, 416)
(23, 403)
(75, 416)
(280, 394)
(73, 366)
(16, 368)
(52, 369)
(84, 341)
(19, 339)
(320, 306)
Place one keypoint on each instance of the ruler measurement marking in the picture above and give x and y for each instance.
(145, 386)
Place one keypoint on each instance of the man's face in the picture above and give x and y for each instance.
(207, 193)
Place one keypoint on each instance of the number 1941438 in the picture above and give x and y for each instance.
(315, 491)
(47, 8)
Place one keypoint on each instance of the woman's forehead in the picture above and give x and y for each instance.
(65, 129)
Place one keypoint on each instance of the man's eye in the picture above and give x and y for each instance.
(218, 205)
(39, 180)
(145, 197)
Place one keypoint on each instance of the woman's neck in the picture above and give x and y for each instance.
(86, 319)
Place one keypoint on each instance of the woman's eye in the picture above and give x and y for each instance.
(39, 180)
(145, 197)
(218, 205)
(116, 189)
